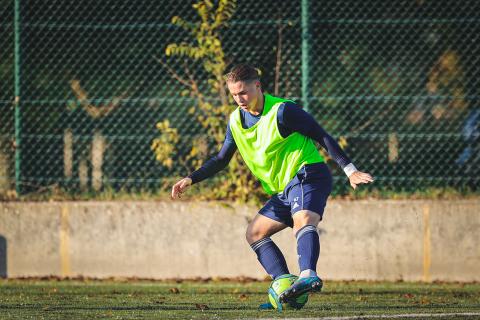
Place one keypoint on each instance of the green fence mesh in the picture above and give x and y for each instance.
(395, 81)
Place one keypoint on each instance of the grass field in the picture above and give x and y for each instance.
(51, 299)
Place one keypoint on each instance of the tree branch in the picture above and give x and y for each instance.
(173, 73)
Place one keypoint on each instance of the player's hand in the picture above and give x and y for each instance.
(180, 187)
(359, 177)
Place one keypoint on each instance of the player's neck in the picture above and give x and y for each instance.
(258, 106)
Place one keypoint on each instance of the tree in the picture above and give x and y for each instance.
(212, 102)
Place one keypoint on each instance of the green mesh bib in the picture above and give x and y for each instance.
(274, 160)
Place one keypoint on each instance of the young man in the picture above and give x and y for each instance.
(275, 138)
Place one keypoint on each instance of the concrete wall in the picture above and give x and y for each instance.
(374, 240)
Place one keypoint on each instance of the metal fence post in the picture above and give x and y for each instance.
(18, 123)
(305, 55)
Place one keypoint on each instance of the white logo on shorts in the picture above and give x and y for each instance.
(295, 204)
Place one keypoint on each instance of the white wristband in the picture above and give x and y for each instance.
(349, 169)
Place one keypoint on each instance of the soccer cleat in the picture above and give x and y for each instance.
(266, 306)
(299, 287)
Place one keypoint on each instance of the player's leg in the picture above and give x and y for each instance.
(268, 254)
(272, 218)
(305, 224)
(308, 202)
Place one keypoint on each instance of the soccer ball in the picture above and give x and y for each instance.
(281, 284)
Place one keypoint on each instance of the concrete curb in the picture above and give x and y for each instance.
(367, 239)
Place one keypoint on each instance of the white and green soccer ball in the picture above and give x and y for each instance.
(281, 284)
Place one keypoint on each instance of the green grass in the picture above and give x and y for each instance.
(43, 299)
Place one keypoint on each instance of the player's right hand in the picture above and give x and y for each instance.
(180, 187)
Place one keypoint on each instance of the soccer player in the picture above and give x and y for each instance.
(276, 138)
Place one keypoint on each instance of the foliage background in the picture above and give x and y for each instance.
(119, 97)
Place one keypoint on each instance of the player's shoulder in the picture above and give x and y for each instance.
(281, 102)
(235, 113)
(275, 99)
(291, 104)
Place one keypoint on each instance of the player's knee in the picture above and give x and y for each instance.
(303, 218)
(254, 234)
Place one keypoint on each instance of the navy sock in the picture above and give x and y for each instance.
(270, 257)
(308, 247)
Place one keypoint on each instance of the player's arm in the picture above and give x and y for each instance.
(292, 118)
(209, 168)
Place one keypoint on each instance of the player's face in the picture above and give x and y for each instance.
(245, 94)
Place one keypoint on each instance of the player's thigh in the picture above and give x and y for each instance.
(262, 227)
(309, 198)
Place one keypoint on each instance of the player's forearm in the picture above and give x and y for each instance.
(217, 163)
(335, 151)
(333, 148)
(209, 169)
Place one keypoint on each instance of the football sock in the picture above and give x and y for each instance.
(307, 273)
(270, 257)
(308, 249)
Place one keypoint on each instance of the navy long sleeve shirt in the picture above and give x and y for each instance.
(291, 118)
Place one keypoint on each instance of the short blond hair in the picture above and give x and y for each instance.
(242, 72)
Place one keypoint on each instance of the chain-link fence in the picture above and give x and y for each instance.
(83, 85)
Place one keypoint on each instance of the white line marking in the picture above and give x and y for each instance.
(389, 316)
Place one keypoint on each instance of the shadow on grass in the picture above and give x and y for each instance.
(176, 307)
(183, 306)
(394, 308)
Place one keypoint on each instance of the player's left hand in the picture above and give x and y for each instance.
(359, 177)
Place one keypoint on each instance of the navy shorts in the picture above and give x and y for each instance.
(308, 190)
